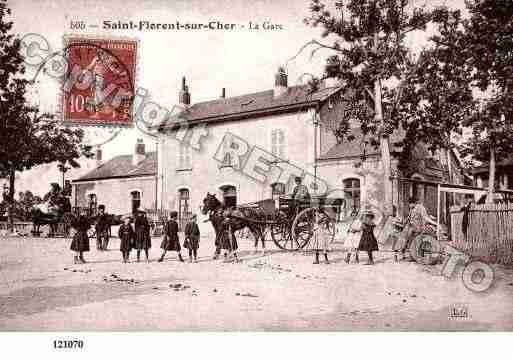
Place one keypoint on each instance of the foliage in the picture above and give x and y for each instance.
(27, 137)
(488, 49)
(369, 45)
(25, 204)
(431, 96)
(438, 98)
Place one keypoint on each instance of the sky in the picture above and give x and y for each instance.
(242, 61)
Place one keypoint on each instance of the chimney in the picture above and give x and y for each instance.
(98, 156)
(223, 93)
(184, 97)
(139, 153)
(280, 82)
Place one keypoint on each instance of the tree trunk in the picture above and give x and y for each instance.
(491, 176)
(449, 165)
(385, 151)
(10, 199)
(383, 141)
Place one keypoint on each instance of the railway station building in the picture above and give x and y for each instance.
(252, 146)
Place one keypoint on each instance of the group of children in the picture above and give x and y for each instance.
(139, 238)
(361, 237)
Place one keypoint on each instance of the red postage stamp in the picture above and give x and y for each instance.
(100, 84)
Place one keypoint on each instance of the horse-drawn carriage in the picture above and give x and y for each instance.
(291, 224)
(59, 222)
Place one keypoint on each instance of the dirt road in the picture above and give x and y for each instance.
(41, 290)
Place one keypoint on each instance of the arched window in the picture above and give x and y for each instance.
(136, 200)
(352, 194)
(278, 143)
(229, 195)
(183, 207)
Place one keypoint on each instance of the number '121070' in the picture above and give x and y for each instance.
(68, 344)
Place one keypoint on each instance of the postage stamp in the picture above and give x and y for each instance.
(100, 81)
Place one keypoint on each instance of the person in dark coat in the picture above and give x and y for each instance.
(466, 217)
(80, 242)
(300, 196)
(171, 241)
(102, 229)
(142, 235)
(192, 237)
(127, 238)
(368, 242)
(227, 238)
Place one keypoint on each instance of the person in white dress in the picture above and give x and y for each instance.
(352, 239)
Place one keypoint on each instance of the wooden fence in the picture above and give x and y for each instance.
(489, 234)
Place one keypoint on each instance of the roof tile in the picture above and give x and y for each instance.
(254, 103)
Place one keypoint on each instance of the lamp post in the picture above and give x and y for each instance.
(63, 168)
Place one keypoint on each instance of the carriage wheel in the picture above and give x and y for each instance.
(425, 249)
(281, 234)
(307, 222)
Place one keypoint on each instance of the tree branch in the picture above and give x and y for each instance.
(313, 42)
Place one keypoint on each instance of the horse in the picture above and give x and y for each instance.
(228, 220)
(39, 217)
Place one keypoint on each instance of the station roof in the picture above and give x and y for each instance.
(251, 105)
(122, 166)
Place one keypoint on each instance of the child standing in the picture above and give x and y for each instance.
(192, 237)
(126, 237)
(368, 242)
(142, 235)
(171, 241)
(353, 237)
(80, 242)
(321, 239)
